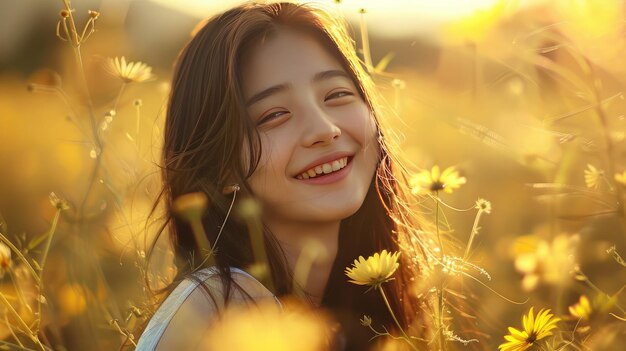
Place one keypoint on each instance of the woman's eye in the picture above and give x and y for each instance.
(271, 116)
(338, 94)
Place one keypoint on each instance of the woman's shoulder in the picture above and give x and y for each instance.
(193, 305)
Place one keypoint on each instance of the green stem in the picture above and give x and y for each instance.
(21, 257)
(20, 321)
(138, 109)
(76, 42)
(610, 147)
(441, 253)
(17, 340)
(14, 347)
(119, 96)
(367, 56)
(440, 299)
(406, 337)
(202, 241)
(258, 250)
(53, 228)
(18, 289)
(472, 235)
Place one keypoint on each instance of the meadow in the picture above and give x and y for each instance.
(512, 119)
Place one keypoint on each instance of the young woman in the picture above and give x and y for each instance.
(272, 98)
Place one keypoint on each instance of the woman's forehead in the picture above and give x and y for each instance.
(287, 57)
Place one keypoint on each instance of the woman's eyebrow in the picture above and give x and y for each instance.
(275, 89)
(266, 93)
(330, 74)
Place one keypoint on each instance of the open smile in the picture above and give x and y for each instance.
(328, 172)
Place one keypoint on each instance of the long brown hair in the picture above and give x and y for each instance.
(205, 128)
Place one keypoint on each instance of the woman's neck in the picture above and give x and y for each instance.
(310, 249)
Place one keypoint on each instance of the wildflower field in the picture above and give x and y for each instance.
(511, 115)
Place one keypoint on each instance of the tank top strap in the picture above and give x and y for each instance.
(163, 315)
(241, 271)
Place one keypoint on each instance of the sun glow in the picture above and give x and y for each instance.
(415, 16)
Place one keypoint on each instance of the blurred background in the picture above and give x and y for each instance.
(525, 98)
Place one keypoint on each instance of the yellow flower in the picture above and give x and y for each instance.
(592, 176)
(129, 72)
(545, 261)
(621, 178)
(582, 309)
(5, 259)
(190, 206)
(266, 327)
(535, 329)
(72, 300)
(375, 270)
(435, 181)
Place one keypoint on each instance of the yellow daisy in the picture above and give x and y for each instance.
(375, 270)
(434, 180)
(592, 176)
(265, 326)
(620, 178)
(582, 309)
(535, 329)
(129, 72)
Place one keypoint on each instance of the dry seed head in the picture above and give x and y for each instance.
(64, 13)
(483, 206)
(94, 14)
(398, 83)
(45, 79)
(138, 103)
(5, 259)
(58, 203)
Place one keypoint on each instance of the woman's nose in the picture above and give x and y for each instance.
(320, 128)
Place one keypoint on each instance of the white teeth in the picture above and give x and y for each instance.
(324, 168)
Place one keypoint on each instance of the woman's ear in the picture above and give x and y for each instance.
(229, 183)
(229, 189)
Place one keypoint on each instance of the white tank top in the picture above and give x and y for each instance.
(162, 317)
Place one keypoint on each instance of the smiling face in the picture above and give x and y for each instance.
(318, 137)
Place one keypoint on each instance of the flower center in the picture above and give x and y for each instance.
(436, 186)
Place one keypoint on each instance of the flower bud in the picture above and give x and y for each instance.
(190, 206)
